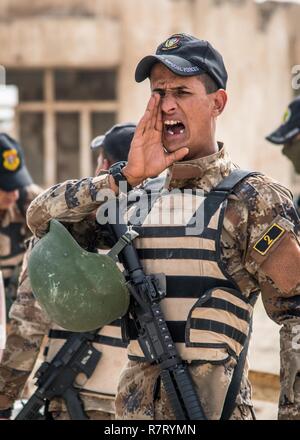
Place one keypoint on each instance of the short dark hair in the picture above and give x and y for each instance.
(209, 84)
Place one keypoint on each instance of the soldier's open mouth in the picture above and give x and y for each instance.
(173, 128)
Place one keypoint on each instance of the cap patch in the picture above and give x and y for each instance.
(287, 115)
(11, 160)
(263, 245)
(171, 43)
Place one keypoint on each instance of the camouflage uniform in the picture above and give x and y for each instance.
(28, 326)
(20, 342)
(256, 205)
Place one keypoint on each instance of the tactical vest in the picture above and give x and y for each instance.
(207, 314)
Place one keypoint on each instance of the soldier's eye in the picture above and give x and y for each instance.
(182, 92)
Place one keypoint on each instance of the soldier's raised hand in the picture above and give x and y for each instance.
(147, 156)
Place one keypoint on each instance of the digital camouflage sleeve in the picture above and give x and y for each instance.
(268, 228)
(69, 202)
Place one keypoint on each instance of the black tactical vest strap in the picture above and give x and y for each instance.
(100, 339)
(219, 194)
(229, 182)
(235, 384)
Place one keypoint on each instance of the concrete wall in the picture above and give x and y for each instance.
(260, 43)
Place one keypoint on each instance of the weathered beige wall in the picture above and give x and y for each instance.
(140, 35)
(37, 42)
(260, 43)
(35, 33)
(12, 9)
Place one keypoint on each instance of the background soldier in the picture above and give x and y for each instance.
(16, 192)
(113, 146)
(250, 244)
(288, 135)
(30, 324)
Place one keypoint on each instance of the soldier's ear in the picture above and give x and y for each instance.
(219, 102)
(106, 164)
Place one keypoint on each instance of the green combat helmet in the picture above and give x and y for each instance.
(81, 291)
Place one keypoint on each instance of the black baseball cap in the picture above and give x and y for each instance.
(117, 140)
(290, 126)
(185, 55)
(13, 172)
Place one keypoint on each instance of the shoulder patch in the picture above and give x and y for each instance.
(263, 245)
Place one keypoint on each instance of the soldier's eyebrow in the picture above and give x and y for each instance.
(172, 89)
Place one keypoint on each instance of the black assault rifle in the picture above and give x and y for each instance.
(153, 334)
(57, 379)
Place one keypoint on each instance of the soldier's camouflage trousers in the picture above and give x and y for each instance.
(141, 396)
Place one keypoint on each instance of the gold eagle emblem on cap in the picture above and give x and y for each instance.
(171, 43)
(11, 160)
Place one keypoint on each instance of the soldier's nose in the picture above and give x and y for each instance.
(168, 104)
